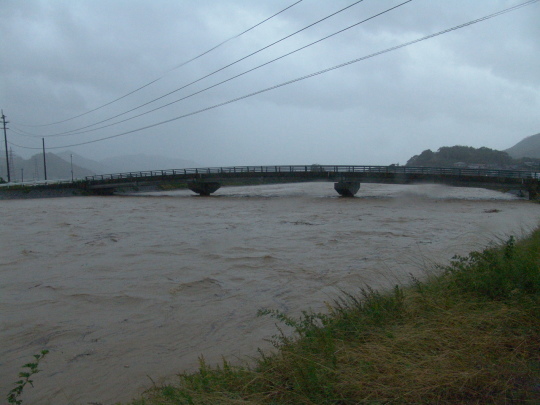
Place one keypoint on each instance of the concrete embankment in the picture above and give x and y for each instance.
(15, 194)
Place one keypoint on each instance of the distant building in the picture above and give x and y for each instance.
(477, 166)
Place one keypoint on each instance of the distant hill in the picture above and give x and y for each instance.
(92, 165)
(128, 163)
(33, 168)
(142, 162)
(59, 165)
(462, 156)
(527, 148)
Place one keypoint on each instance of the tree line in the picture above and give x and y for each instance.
(467, 155)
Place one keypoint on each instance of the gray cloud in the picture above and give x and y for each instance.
(477, 86)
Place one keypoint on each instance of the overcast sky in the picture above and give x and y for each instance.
(476, 86)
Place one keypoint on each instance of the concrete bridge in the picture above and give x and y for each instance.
(347, 179)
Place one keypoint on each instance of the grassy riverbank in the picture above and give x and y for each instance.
(469, 335)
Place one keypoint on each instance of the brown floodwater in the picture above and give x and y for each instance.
(124, 290)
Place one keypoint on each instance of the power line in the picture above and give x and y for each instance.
(217, 84)
(170, 70)
(236, 36)
(320, 72)
(20, 132)
(212, 73)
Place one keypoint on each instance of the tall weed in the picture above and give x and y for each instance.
(498, 273)
(13, 396)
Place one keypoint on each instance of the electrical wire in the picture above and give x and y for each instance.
(20, 132)
(212, 73)
(236, 36)
(167, 72)
(217, 84)
(320, 72)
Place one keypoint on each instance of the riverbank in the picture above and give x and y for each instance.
(20, 194)
(469, 335)
(53, 189)
(21, 191)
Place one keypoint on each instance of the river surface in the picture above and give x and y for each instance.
(124, 290)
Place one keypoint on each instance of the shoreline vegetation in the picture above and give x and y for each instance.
(469, 333)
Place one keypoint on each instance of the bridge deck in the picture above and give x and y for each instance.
(316, 171)
(464, 177)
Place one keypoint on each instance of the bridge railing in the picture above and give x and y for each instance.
(341, 169)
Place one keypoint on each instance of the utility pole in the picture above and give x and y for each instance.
(44, 160)
(5, 142)
(71, 157)
(12, 162)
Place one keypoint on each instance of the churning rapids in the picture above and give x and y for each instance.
(124, 288)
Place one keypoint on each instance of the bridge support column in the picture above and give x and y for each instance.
(347, 188)
(203, 187)
(533, 192)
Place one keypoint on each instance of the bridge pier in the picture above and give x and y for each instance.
(347, 188)
(203, 187)
(533, 191)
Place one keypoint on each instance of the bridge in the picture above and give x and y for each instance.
(347, 179)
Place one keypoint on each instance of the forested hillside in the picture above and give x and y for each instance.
(450, 155)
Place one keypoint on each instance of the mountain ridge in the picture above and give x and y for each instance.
(60, 166)
(525, 155)
(528, 147)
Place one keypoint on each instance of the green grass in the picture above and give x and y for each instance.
(468, 334)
